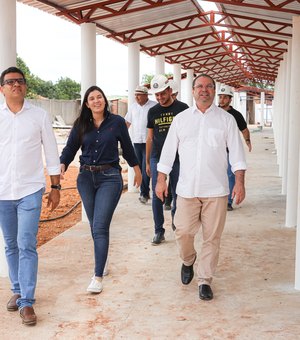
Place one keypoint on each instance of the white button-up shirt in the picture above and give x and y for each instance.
(137, 117)
(21, 138)
(201, 140)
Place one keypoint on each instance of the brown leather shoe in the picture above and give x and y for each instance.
(28, 316)
(12, 303)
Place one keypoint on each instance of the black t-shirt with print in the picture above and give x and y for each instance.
(160, 119)
(240, 120)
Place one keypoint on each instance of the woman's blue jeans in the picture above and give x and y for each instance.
(100, 193)
(19, 220)
(140, 151)
(157, 204)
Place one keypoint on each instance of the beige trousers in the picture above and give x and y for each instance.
(191, 213)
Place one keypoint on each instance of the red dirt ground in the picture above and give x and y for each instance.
(68, 198)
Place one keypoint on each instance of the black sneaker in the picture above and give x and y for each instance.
(158, 239)
(229, 207)
(167, 206)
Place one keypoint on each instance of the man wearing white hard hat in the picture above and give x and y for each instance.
(168, 200)
(225, 96)
(160, 118)
(136, 117)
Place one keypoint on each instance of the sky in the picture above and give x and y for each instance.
(50, 47)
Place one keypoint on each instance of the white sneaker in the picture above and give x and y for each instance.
(95, 286)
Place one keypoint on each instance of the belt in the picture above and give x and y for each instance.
(96, 168)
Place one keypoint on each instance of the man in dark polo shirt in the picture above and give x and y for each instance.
(225, 96)
(160, 118)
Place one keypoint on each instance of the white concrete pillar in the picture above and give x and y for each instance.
(294, 127)
(295, 118)
(218, 85)
(8, 57)
(286, 110)
(88, 56)
(177, 78)
(280, 112)
(189, 86)
(262, 108)
(8, 32)
(88, 66)
(160, 64)
(133, 81)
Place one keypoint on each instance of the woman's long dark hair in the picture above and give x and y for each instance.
(84, 123)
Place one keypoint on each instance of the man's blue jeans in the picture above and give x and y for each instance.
(140, 151)
(157, 204)
(231, 181)
(19, 220)
(100, 193)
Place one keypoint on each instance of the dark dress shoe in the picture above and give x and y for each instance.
(12, 303)
(187, 273)
(205, 292)
(28, 316)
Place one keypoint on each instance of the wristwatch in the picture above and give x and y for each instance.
(56, 186)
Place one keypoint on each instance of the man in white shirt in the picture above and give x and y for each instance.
(136, 117)
(24, 129)
(201, 134)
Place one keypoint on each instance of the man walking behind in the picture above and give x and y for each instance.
(160, 118)
(23, 130)
(225, 96)
(200, 134)
(136, 117)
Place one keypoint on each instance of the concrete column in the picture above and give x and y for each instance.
(218, 85)
(88, 56)
(8, 57)
(88, 66)
(280, 113)
(160, 64)
(262, 108)
(189, 86)
(294, 127)
(295, 118)
(8, 32)
(284, 163)
(133, 81)
(177, 78)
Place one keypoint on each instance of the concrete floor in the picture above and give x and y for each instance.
(143, 297)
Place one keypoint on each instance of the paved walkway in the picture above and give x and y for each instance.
(143, 297)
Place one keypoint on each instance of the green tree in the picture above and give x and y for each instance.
(146, 78)
(65, 88)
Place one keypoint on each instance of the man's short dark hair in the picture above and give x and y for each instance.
(11, 69)
(206, 76)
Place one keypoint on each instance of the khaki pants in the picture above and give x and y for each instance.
(190, 214)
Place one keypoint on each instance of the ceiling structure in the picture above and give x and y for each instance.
(241, 42)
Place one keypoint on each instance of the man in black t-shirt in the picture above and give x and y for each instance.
(225, 96)
(160, 118)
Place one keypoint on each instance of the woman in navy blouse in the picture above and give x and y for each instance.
(98, 133)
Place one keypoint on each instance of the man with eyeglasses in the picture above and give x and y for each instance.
(200, 135)
(24, 129)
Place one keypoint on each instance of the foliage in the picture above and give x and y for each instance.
(65, 88)
(146, 78)
(262, 85)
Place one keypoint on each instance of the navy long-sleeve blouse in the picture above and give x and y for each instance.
(100, 146)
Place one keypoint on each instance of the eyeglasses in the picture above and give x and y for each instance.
(207, 87)
(11, 82)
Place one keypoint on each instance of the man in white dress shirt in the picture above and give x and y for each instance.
(201, 134)
(24, 129)
(136, 117)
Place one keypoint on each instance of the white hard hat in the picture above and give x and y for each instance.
(225, 89)
(173, 85)
(159, 83)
